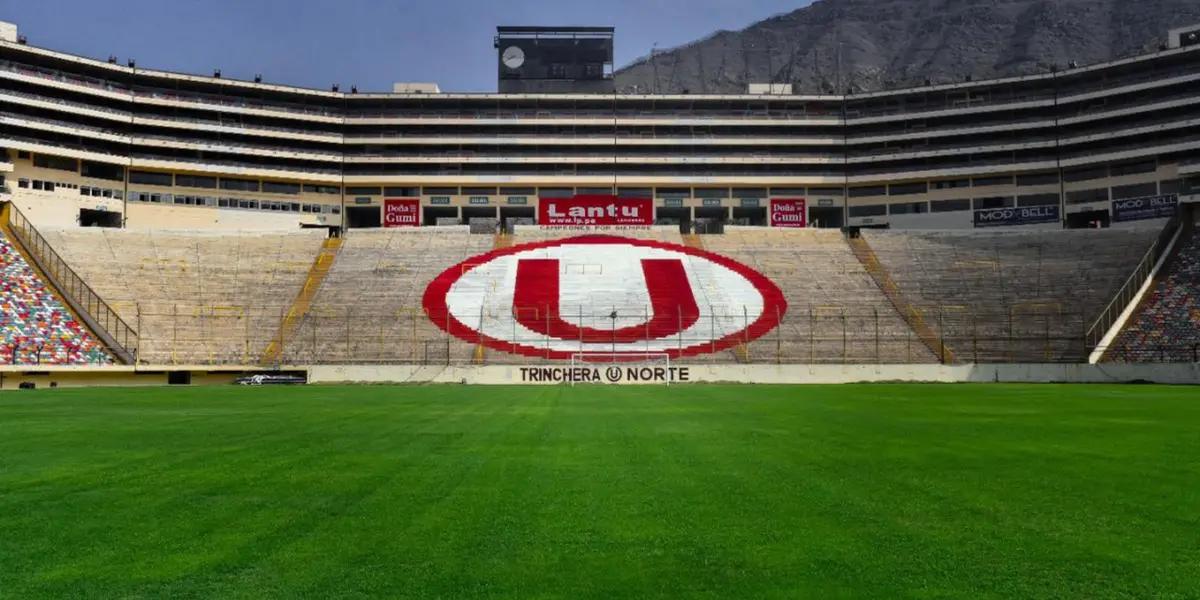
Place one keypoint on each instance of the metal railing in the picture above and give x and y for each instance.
(91, 308)
(204, 335)
(1108, 317)
(42, 352)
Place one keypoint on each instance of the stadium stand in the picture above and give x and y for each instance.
(196, 297)
(1011, 297)
(369, 308)
(836, 312)
(35, 327)
(212, 298)
(1167, 326)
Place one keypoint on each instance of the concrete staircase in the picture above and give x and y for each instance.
(692, 240)
(321, 266)
(865, 255)
(503, 240)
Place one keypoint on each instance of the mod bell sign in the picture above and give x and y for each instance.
(788, 212)
(1150, 207)
(604, 295)
(1028, 215)
(401, 212)
(595, 210)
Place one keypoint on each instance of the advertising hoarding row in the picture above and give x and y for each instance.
(596, 210)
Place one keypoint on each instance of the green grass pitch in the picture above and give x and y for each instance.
(610, 492)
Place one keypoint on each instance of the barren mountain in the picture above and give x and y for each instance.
(892, 43)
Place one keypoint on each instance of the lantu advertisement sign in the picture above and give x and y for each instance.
(596, 210)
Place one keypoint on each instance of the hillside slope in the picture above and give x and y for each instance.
(890, 43)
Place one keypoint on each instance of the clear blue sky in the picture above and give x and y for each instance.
(371, 43)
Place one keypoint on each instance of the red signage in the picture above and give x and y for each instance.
(788, 212)
(401, 212)
(595, 210)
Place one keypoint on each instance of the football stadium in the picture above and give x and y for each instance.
(563, 340)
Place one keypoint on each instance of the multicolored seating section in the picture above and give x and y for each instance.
(1167, 328)
(35, 327)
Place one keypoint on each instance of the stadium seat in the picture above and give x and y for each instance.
(1167, 326)
(836, 313)
(195, 297)
(369, 309)
(1011, 296)
(35, 327)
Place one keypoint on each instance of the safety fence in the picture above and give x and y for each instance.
(210, 335)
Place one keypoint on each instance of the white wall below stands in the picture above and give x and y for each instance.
(156, 217)
(58, 209)
(117, 375)
(1186, 374)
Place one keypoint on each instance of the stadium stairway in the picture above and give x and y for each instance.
(835, 311)
(370, 308)
(321, 266)
(914, 318)
(502, 240)
(692, 240)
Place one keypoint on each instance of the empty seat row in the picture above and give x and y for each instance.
(1011, 296)
(194, 297)
(369, 307)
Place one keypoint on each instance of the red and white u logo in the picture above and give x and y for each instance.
(672, 305)
(604, 294)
